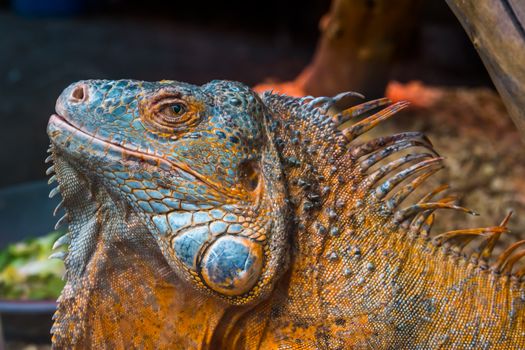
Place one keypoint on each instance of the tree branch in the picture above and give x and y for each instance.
(497, 30)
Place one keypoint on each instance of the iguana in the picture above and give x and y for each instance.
(209, 217)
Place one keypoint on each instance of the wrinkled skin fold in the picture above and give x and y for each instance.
(208, 217)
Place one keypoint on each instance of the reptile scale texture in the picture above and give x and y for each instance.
(209, 217)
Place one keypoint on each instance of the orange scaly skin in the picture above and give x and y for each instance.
(316, 245)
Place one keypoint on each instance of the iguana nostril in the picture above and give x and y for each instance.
(79, 93)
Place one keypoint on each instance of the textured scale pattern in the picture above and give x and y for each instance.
(208, 217)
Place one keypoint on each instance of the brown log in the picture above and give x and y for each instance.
(358, 41)
(497, 30)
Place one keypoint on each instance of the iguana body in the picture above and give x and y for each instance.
(207, 217)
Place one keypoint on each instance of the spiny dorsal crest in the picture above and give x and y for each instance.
(393, 167)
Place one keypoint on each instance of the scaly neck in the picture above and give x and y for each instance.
(359, 257)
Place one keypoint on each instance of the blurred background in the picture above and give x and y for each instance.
(424, 56)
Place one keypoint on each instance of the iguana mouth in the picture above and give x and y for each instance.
(122, 152)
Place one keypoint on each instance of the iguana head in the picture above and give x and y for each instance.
(194, 164)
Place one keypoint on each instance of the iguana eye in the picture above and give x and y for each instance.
(177, 108)
(172, 114)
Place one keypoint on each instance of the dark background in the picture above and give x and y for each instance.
(43, 50)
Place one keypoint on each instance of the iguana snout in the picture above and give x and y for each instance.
(195, 163)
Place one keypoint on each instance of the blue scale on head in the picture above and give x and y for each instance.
(154, 193)
(122, 174)
(127, 100)
(209, 203)
(225, 163)
(187, 245)
(134, 184)
(140, 194)
(217, 213)
(177, 195)
(132, 105)
(137, 125)
(229, 207)
(165, 192)
(191, 198)
(235, 228)
(116, 168)
(209, 167)
(118, 138)
(188, 177)
(119, 111)
(96, 99)
(122, 83)
(119, 181)
(112, 102)
(104, 133)
(218, 227)
(201, 217)
(172, 203)
(125, 188)
(161, 223)
(164, 140)
(114, 93)
(126, 119)
(189, 206)
(182, 190)
(230, 217)
(201, 189)
(158, 207)
(178, 220)
(145, 206)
